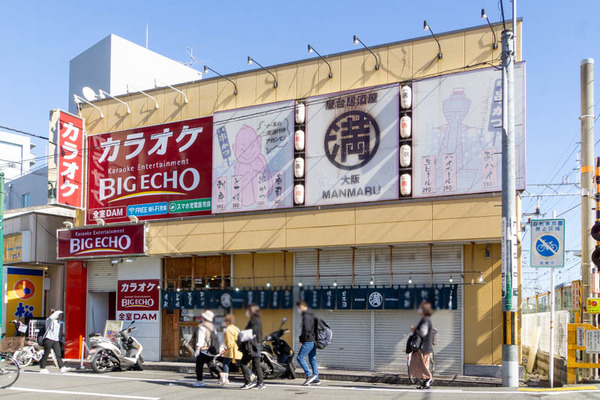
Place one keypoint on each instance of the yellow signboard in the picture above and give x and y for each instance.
(13, 248)
(25, 295)
(593, 306)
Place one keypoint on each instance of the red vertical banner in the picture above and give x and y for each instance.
(75, 307)
(69, 160)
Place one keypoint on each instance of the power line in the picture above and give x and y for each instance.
(26, 133)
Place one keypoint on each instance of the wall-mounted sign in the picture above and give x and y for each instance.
(253, 154)
(24, 293)
(104, 241)
(155, 172)
(352, 146)
(138, 299)
(16, 247)
(67, 133)
(457, 133)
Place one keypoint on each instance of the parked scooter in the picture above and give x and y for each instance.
(125, 352)
(277, 359)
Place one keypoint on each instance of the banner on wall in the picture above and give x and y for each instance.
(105, 241)
(457, 133)
(67, 134)
(352, 146)
(160, 171)
(25, 295)
(138, 300)
(253, 153)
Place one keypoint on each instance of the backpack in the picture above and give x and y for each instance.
(41, 335)
(214, 345)
(324, 334)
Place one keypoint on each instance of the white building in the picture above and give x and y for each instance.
(15, 155)
(116, 65)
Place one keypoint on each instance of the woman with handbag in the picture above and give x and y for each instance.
(422, 343)
(251, 349)
(233, 353)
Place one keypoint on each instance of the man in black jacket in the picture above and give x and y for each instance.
(309, 347)
(251, 350)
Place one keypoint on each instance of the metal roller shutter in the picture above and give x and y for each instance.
(393, 327)
(376, 340)
(102, 276)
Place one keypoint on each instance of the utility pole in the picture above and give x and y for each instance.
(1, 250)
(510, 275)
(587, 175)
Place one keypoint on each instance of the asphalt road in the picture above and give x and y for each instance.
(154, 385)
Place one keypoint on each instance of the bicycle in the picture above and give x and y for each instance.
(9, 370)
(431, 366)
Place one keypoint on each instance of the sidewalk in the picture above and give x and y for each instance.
(349, 376)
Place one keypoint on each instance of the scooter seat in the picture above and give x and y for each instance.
(94, 334)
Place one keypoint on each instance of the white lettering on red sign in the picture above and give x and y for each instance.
(118, 243)
(70, 160)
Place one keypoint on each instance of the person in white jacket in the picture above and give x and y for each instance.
(51, 343)
(206, 330)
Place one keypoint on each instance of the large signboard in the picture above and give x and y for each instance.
(548, 243)
(352, 146)
(67, 135)
(155, 172)
(17, 247)
(457, 133)
(113, 241)
(138, 299)
(25, 295)
(253, 151)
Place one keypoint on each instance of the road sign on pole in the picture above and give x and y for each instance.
(548, 243)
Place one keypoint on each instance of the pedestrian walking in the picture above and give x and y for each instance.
(206, 342)
(51, 343)
(251, 350)
(308, 346)
(419, 362)
(232, 353)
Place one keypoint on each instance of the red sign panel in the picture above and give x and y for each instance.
(138, 295)
(113, 241)
(69, 190)
(156, 172)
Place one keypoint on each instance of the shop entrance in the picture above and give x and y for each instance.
(102, 307)
(185, 274)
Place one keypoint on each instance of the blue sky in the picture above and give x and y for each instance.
(38, 38)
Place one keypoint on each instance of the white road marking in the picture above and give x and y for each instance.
(114, 396)
(123, 378)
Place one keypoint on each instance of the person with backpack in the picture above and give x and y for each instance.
(308, 344)
(419, 362)
(251, 349)
(233, 353)
(207, 345)
(50, 341)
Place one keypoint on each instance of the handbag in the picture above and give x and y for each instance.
(413, 343)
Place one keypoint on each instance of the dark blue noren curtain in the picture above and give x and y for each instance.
(274, 302)
(287, 299)
(214, 298)
(165, 300)
(226, 299)
(312, 298)
(237, 299)
(251, 297)
(177, 300)
(188, 300)
(328, 299)
(344, 299)
(359, 298)
(407, 298)
(424, 294)
(263, 298)
(375, 299)
(201, 299)
(391, 300)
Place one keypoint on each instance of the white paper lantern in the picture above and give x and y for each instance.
(299, 167)
(405, 126)
(299, 140)
(404, 156)
(405, 97)
(299, 194)
(300, 113)
(405, 185)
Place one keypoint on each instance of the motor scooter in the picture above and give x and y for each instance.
(124, 352)
(277, 358)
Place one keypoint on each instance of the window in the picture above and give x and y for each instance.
(26, 200)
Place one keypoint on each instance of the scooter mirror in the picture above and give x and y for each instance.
(284, 320)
